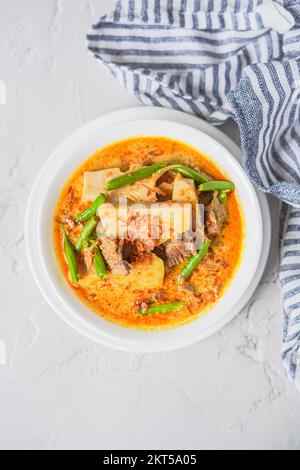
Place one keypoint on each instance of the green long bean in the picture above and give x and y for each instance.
(195, 260)
(216, 186)
(190, 173)
(86, 232)
(222, 197)
(91, 210)
(99, 263)
(134, 176)
(161, 308)
(70, 256)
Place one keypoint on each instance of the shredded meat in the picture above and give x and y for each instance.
(113, 257)
(215, 216)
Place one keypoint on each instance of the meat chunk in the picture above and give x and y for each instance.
(160, 251)
(144, 246)
(127, 250)
(136, 250)
(176, 252)
(215, 216)
(113, 257)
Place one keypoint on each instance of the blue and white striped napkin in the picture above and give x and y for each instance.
(220, 59)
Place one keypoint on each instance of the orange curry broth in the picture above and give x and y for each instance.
(112, 298)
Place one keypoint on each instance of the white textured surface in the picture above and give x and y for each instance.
(57, 389)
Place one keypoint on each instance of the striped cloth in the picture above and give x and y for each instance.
(220, 59)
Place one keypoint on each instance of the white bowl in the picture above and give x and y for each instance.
(40, 249)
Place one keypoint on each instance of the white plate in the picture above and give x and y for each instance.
(69, 155)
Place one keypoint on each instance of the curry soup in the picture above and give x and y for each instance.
(148, 274)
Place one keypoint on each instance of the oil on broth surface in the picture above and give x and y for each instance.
(113, 298)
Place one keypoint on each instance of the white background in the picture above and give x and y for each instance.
(57, 389)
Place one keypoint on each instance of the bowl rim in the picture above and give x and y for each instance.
(62, 307)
